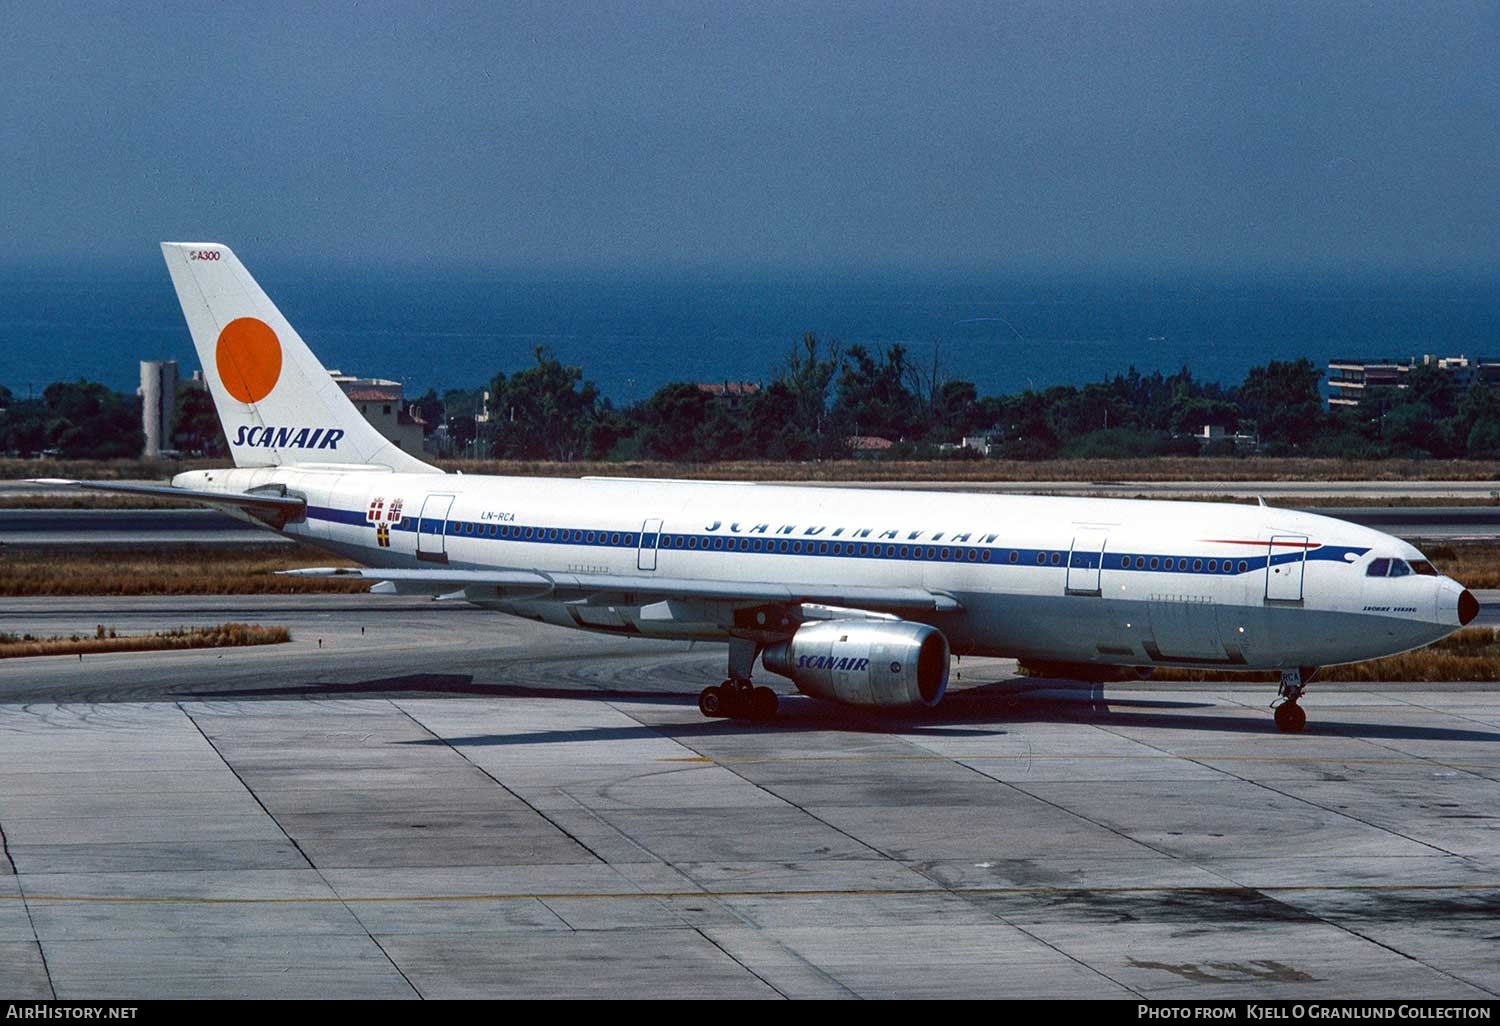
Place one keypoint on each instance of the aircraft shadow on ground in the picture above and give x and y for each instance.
(979, 711)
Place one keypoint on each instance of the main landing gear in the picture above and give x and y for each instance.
(1290, 716)
(737, 697)
(740, 699)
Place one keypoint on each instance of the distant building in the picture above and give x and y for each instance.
(1217, 435)
(380, 401)
(1348, 380)
(730, 392)
(867, 445)
(979, 443)
(158, 406)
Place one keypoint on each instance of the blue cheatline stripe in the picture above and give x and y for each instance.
(839, 548)
(335, 515)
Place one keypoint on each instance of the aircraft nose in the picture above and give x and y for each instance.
(1468, 607)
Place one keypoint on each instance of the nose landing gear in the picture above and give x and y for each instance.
(1289, 715)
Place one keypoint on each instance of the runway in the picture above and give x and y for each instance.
(421, 800)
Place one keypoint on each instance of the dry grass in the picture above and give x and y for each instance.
(85, 500)
(167, 570)
(225, 635)
(12, 469)
(1473, 654)
(1473, 564)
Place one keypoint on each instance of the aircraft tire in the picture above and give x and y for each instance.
(711, 702)
(763, 703)
(1290, 718)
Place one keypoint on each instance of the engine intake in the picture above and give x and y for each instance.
(874, 664)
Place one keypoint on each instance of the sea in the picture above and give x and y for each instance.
(632, 332)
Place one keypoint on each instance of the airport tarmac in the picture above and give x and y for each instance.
(416, 799)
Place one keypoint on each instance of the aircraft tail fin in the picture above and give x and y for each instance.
(278, 405)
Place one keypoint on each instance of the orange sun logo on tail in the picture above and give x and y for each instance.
(249, 359)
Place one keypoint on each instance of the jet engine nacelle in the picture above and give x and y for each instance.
(870, 663)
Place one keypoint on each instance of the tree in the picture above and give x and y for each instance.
(196, 425)
(462, 431)
(1479, 421)
(1025, 433)
(1191, 412)
(873, 398)
(1283, 402)
(771, 427)
(23, 427)
(463, 402)
(429, 408)
(85, 420)
(545, 412)
(1420, 417)
(682, 422)
(806, 379)
(956, 412)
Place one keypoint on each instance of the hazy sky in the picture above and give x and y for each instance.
(1297, 135)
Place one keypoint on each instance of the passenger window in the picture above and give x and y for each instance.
(1424, 568)
(1399, 568)
(1378, 568)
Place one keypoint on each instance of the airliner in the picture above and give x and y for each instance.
(858, 596)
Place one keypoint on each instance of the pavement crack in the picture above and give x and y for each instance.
(498, 783)
(729, 955)
(293, 842)
(1196, 761)
(30, 919)
(729, 767)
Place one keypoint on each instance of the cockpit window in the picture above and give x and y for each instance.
(1378, 568)
(1399, 568)
(1424, 568)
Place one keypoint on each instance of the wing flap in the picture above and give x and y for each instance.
(623, 589)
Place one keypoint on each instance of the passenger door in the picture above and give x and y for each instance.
(1085, 561)
(1285, 561)
(432, 529)
(645, 558)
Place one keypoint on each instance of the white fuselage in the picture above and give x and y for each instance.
(1111, 581)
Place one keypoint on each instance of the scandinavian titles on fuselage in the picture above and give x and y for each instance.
(891, 534)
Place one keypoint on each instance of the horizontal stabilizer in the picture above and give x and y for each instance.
(290, 506)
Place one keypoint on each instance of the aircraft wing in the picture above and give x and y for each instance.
(623, 589)
(287, 506)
